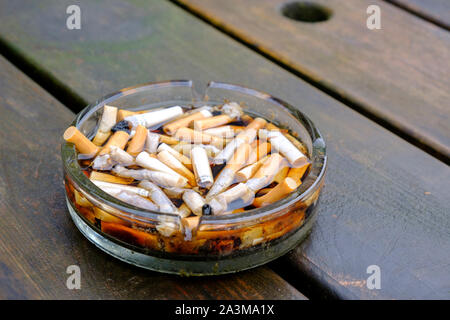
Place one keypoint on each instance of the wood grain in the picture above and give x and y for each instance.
(399, 74)
(436, 11)
(385, 202)
(38, 239)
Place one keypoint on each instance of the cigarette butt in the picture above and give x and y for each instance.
(194, 201)
(80, 200)
(282, 144)
(246, 118)
(102, 162)
(282, 173)
(265, 174)
(263, 149)
(82, 144)
(169, 160)
(174, 192)
(136, 144)
(122, 114)
(297, 173)
(251, 129)
(115, 188)
(202, 169)
(106, 217)
(271, 127)
(197, 137)
(224, 131)
(239, 158)
(247, 172)
(107, 121)
(173, 126)
(280, 191)
(181, 157)
(184, 211)
(212, 122)
(168, 140)
(137, 200)
(154, 118)
(121, 157)
(238, 191)
(296, 143)
(100, 176)
(190, 225)
(264, 191)
(146, 161)
(158, 197)
(118, 139)
(162, 179)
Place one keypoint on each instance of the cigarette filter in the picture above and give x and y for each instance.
(152, 142)
(181, 157)
(168, 140)
(194, 201)
(106, 217)
(154, 118)
(247, 172)
(122, 114)
(118, 139)
(163, 179)
(107, 121)
(224, 131)
(202, 170)
(197, 137)
(136, 144)
(240, 191)
(185, 149)
(173, 126)
(102, 162)
(280, 191)
(115, 188)
(184, 211)
(212, 122)
(297, 173)
(282, 144)
(148, 162)
(158, 197)
(121, 157)
(281, 174)
(82, 144)
(80, 200)
(232, 109)
(174, 192)
(169, 160)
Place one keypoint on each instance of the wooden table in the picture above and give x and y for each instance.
(386, 198)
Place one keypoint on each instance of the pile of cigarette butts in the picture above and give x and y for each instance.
(210, 160)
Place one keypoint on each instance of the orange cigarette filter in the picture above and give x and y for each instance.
(271, 166)
(118, 139)
(280, 191)
(82, 144)
(297, 173)
(250, 130)
(279, 177)
(212, 122)
(239, 158)
(173, 126)
(190, 135)
(101, 176)
(122, 114)
(168, 140)
(136, 144)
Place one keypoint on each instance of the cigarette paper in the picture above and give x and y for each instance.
(102, 162)
(136, 144)
(146, 161)
(115, 188)
(158, 197)
(265, 174)
(100, 176)
(240, 191)
(172, 127)
(107, 121)
(121, 157)
(212, 122)
(152, 142)
(280, 191)
(118, 139)
(154, 118)
(297, 173)
(202, 170)
(194, 201)
(174, 192)
(162, 179)
(136, 200)
(169, 160)
(296, 143)
(282, 144)
(197, 137)
(82, 144)
(185, 149)
(181, 157)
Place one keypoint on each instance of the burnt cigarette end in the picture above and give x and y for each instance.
(206, 210)
(121, 126)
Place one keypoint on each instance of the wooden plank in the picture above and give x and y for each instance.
(385, 202)
(436, 11)
(400, 74)
(38, 239)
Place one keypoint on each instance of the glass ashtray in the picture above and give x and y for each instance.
(214, 244)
